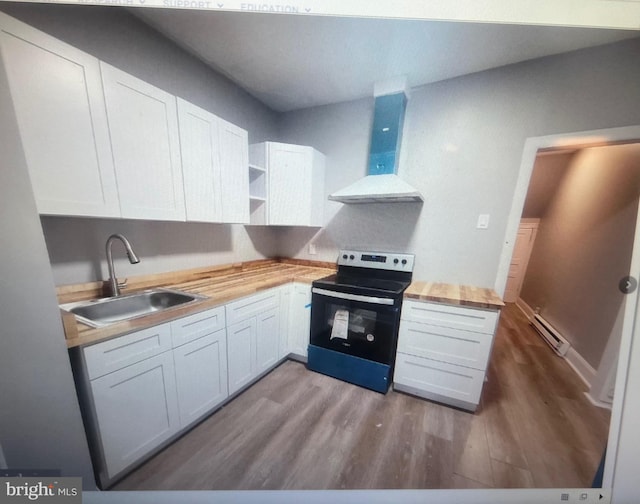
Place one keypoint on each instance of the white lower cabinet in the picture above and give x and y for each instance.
(299, 320)
(241, 353)
(136, 409)
(200, 357)
(267, 339)
(253, 341)
(141, 389)
(285, 310)
(443, 352)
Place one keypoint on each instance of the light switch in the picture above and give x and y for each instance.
(312, 249)
(483, 221)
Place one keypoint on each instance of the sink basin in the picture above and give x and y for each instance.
(102, 312)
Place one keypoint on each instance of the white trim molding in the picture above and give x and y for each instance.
(581, 367)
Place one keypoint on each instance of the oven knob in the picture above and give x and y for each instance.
(395, 261)
(344, 256)
(352, 257)
(370, 338)
(404, 261)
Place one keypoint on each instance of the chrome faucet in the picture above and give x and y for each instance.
(114, 286)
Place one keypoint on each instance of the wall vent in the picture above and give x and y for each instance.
(550, 335)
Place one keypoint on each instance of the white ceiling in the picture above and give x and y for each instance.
(293, 62)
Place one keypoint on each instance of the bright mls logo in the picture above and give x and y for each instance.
(50, 490)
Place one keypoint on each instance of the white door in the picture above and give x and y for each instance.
(267, 339)
(289, 185)
(234, 172)
(520, 259)
(136, 409)
(57, 97)
(241, 357)
(201, 375)
(143, 123)
(200, 163)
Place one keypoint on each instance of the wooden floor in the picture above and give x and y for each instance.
(296, 429)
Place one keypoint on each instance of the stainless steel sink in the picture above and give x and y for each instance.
(102, 312)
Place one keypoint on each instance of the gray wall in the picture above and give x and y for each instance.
(40, 424)
(584, 245)
(462, 147)
(76, 246)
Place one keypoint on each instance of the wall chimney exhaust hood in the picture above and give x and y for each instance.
(382, 184)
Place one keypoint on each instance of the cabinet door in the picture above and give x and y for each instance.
(300, 319)
(289, 170)
(234, 172)
(285, 310)
(143, 124)
(57, 97)
(201, 375)
(267, 339)
(137, 409)
(200, 163)
(241, 356)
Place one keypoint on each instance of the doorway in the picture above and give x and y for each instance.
(522, 249)
(629, 322)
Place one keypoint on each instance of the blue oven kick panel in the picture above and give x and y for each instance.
(363, 372)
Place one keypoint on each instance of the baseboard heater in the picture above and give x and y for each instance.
(550, 335)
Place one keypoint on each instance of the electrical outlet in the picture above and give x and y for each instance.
(483, 221)
(312, 249)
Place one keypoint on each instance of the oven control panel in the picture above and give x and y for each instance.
(377, 260)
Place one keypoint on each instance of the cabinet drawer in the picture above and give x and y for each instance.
(458, 385)
(252, 305)
(464, 348)
(196, 326)
(121, 352)
(467, 319)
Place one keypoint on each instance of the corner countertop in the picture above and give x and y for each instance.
(461, 295)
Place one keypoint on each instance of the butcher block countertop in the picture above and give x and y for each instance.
(461, 295)
(225, 283)
(221, 284)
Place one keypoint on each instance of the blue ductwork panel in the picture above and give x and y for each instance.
(366, 373)
(388, 117)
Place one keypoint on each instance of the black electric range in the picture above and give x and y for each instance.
(355, 317)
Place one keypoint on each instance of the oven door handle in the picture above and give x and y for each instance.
(353, 297)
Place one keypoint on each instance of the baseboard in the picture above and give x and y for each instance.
(582, 368)
(525, 308)
(596, 402)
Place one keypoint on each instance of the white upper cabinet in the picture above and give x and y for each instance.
(143, 123)
(57, 97)
(295, 184)
(234, 159)
(214, 160)
(200, 149)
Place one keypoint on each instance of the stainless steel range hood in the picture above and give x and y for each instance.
(382, 184)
